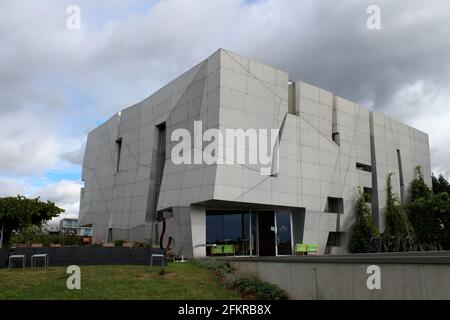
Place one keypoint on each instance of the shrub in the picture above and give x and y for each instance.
(419, 188)
(70, 240)
(29, 234)
(229, 279)
(246, 285)
(34, 234)
(119, 243)
(261, 290)
(364, 231)
(395, 219)
(220, 267)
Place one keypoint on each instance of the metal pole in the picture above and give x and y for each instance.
(1, 236)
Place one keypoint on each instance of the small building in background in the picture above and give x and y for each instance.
(51, 227)
(70, 226)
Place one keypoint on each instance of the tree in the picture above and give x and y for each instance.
(19, 212)
(419, 189)
(364, 230)
(429, 212)
(430, 218)
(440, 184)
(395, 221)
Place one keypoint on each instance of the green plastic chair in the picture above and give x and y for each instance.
(228, 249)
(218, 249)
(300, 248)
(312, 248)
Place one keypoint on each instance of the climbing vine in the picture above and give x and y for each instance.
(395, 220)
(365, 230)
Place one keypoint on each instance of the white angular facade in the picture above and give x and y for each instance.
(328, 148)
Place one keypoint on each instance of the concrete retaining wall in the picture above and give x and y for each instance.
(403, 276)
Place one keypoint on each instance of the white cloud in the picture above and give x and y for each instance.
(30, 145)
(65, 193)
(55, 83)
(10, 187)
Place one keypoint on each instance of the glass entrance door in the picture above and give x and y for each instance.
(266, 233)
(283, 233)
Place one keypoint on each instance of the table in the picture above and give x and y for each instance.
(157, 256)
(16, 256)
(34, 257)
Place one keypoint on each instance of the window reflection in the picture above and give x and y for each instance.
(231, 228)
(284, 233)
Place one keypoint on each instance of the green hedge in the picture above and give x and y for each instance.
(260, 289)
(35, 235)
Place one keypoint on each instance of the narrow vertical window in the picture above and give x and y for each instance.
(160, 159)
(335, 134)
(291, 98)
(400, 170)
(336, 138)
(159, 171)
(119, 151)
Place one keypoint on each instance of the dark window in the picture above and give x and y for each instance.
(160, 157)
(334, 239)
(284, 241)
(226, 226)
(336, 138)
(232, 227)
(158, 169)
(214, 228)
(400, 170)
(109, 235)
(335, 205)
(229, 227)
(119, 151)
(363, 167)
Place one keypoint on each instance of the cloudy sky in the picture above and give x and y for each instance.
(56, 84)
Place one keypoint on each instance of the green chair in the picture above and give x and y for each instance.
(300, 248)
(217, 249)
(222, 249)
(312, 248)
(228, 249)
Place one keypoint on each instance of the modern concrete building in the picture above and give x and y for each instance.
(328, 147)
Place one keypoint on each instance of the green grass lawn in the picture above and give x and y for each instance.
(180, 281)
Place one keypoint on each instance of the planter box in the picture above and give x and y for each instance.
(108, 245)
(55, 245)
(37, 245)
